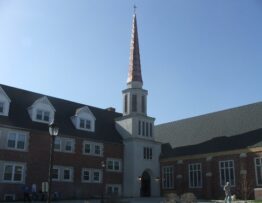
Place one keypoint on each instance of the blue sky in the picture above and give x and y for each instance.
(197, 56)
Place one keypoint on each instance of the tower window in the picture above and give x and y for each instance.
(125, 104)
(134, 103)
(143, 104)
(147, 129)
(143, 128)
(151, 130)
(148, 153)
(139, 127)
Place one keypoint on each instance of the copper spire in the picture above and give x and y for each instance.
(134, 72)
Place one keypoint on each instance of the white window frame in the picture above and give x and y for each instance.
(70, 174)
(14, 165)
(58, 173)
(114, 161)
(90, 175)
(167, 177)
(256, 169)
(100, 175)
(85, 124)
(196, 170)
(228, 168)
(72, 145)
(92, 148)
(113, 186)
(16, 141)
(58, 139)
(43, 111)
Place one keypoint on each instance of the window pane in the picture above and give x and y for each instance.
(66, 174)
(82, 123)
(134, 103)
(88, 124)
(11, 140)
(97, 149)
(87, 148)
(18, 173)
(86, 175)
(57, 145)
(68, 146)
(55, 173)
(117, 167)
(96, 176)
(8, 172)
(21, 142)
(39, 115)
(110, 165)
(46, 116)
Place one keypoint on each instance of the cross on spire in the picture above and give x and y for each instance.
(135, 7)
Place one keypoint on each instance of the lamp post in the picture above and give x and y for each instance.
(103, 165)
(53, 131)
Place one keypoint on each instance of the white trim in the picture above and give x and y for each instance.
(168, 171)
(92, 148)
(100, 175)
(90, 175)
(220, 175)
(17, 134)
(198, 169)
(260, 165)
(114, 163)
(13, 165)
(71, 178)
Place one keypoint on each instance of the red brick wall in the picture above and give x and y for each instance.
(37, 162)
(211, 185)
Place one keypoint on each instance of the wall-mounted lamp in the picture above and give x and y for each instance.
(139, 178)
(157, 179)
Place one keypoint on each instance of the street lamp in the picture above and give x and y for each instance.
(103, 165)
(53, 131)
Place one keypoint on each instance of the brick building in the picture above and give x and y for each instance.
(204, 152)
(197, 154)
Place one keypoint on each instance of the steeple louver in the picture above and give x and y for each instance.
(134, 73)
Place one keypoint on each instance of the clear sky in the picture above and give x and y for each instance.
(197, 56)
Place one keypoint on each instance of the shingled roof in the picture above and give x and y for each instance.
(19, 117)
(218, 144)
(201, 128)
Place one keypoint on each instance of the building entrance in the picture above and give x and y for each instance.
(145, 189)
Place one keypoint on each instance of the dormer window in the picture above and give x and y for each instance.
(84, 119)
(84, 123)
(43, 115)
(42, 110)
(4, 103)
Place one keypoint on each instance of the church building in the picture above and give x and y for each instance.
(100, 152)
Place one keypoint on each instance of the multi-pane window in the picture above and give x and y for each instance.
(97, 176)
(125, 104)
(1, 107)
(91, 175)
(143, 104)
(57, 144)
(113, 189)
(13, 173)
(195, 175)
(16, 141)
(69, 145)
(167, 177)
(62, 173)
(258, 165)
(42, 115)
(86, 175)
(55, 174)
(134, 103)
(67, 174)
(85, 123)
(147, 153)
(113, 165)
(227, 173)
(92, 148)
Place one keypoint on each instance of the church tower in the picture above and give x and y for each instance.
(141, 151)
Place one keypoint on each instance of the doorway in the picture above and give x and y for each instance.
(145, 190)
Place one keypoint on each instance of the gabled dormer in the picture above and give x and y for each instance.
(84, 119)
(42, 110)
(4, 103)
